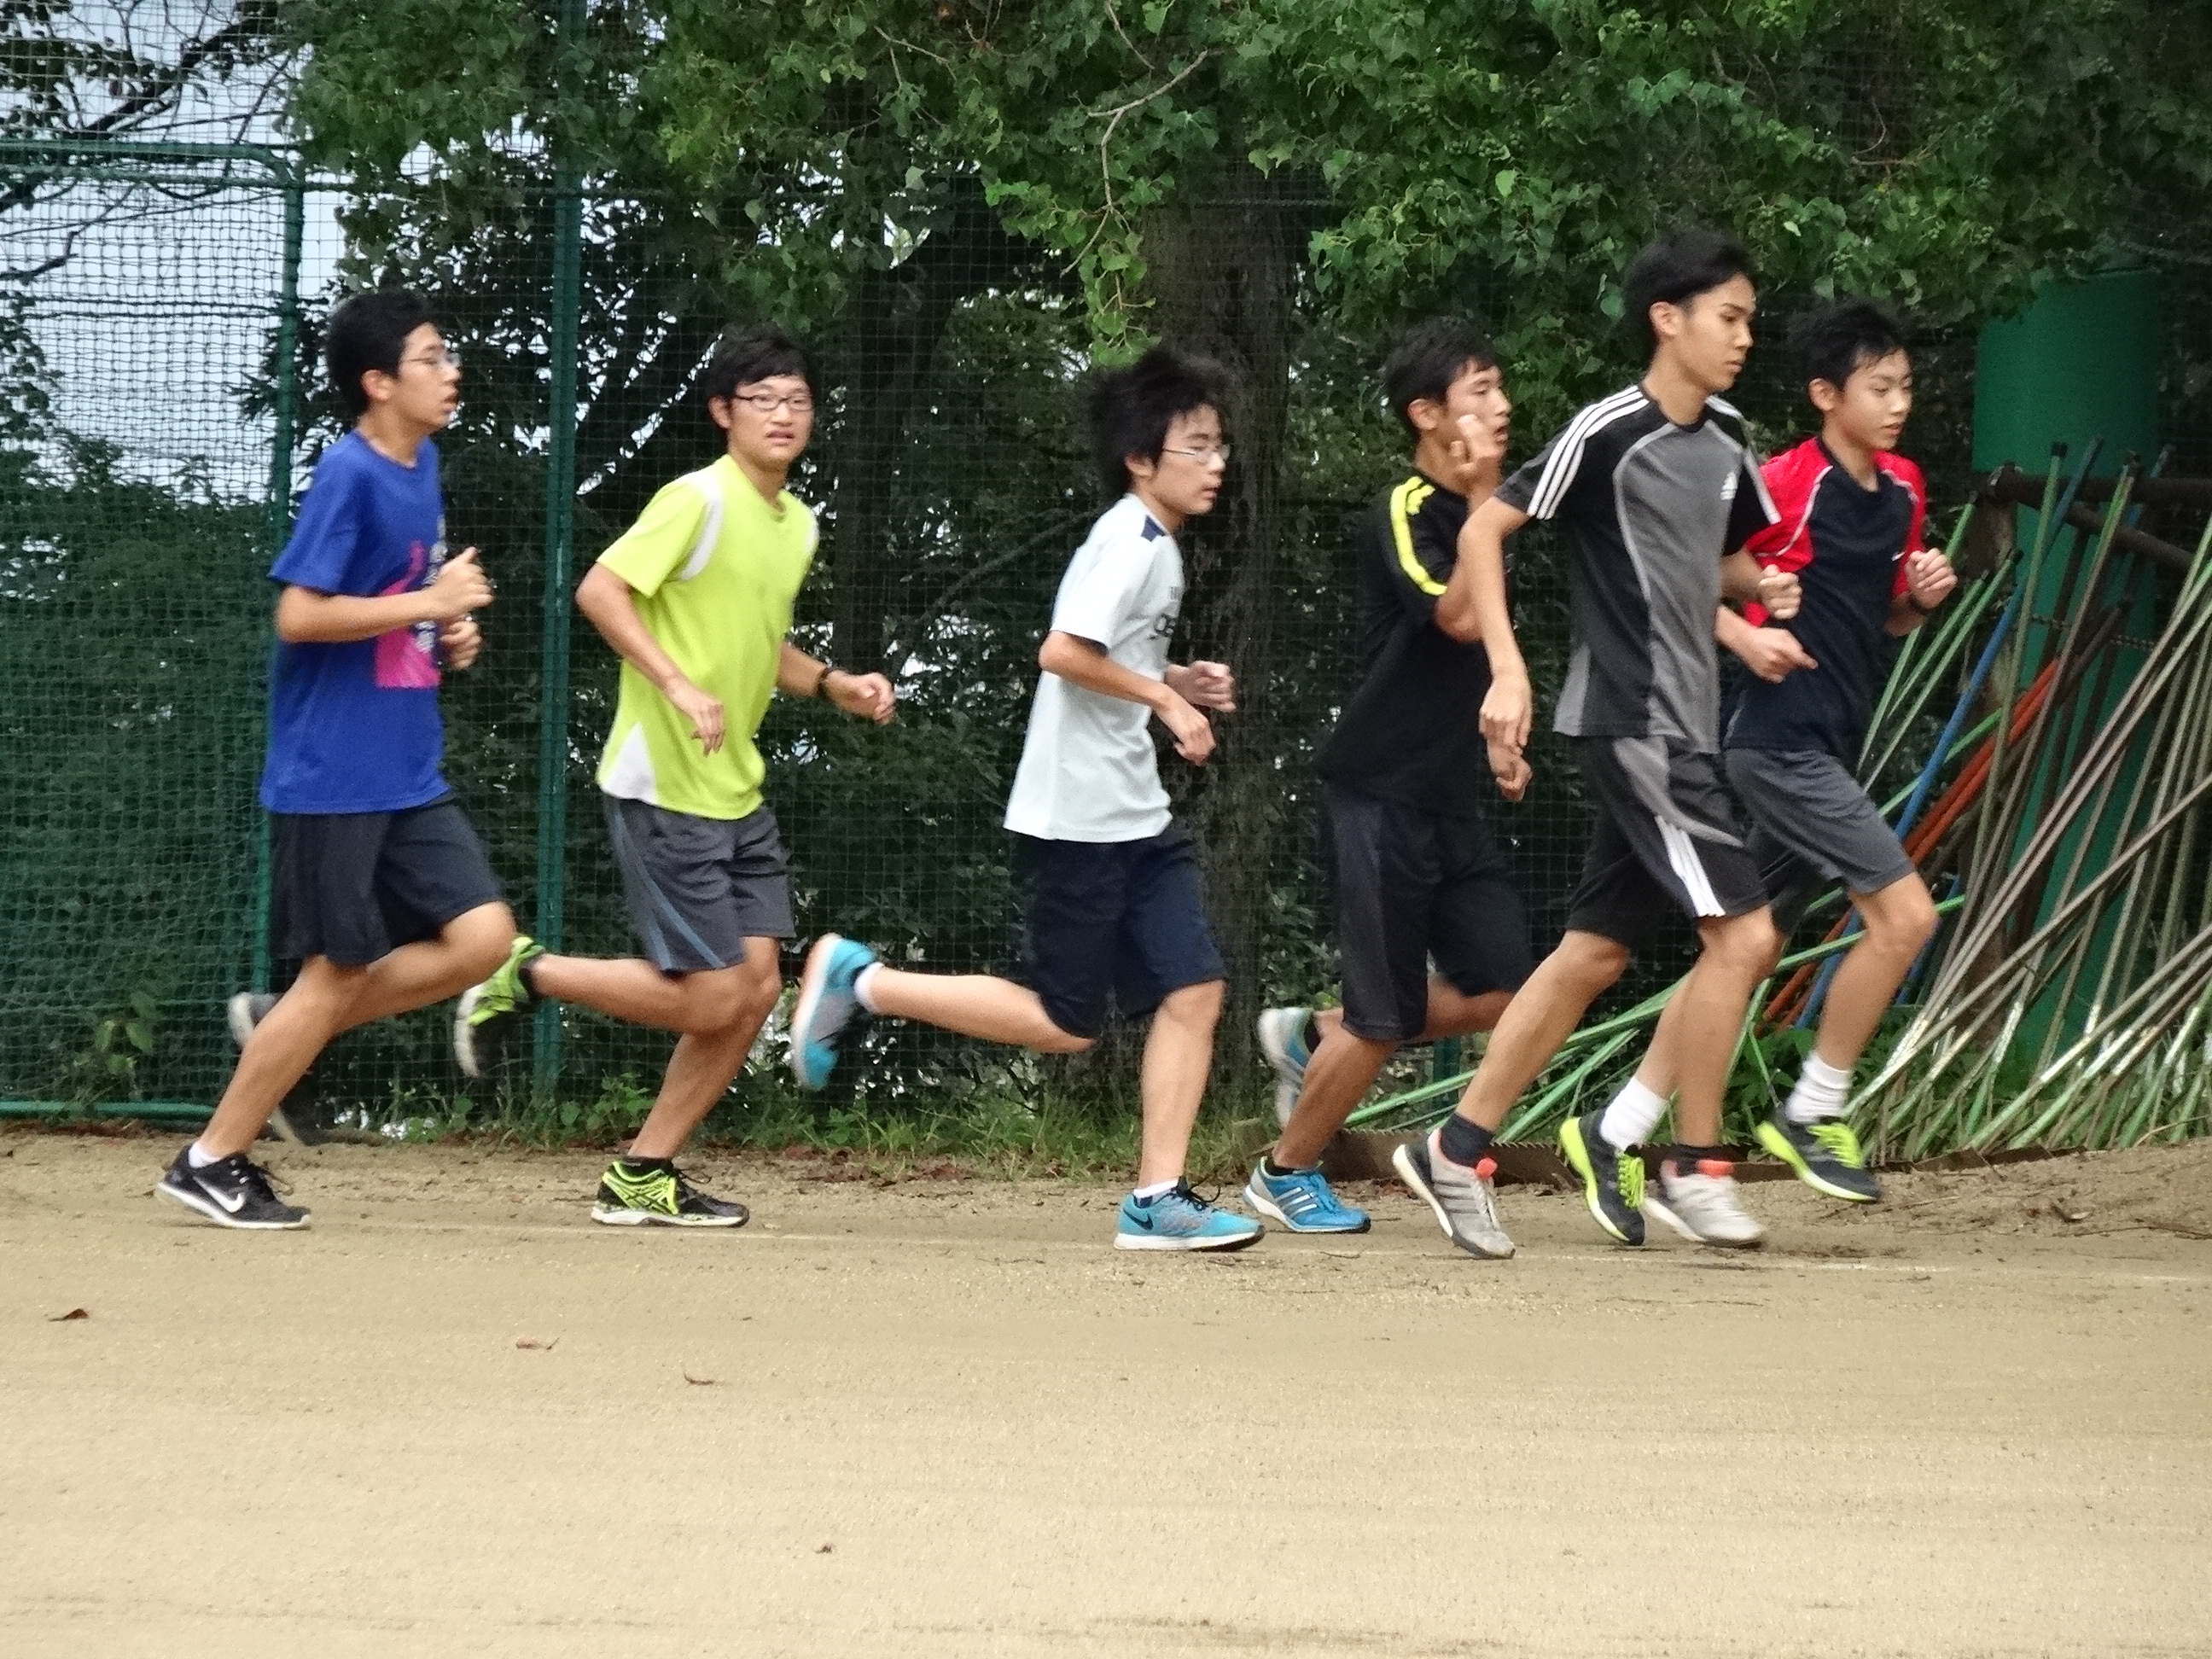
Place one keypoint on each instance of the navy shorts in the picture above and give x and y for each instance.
(697, 888)
(1666, 842)
(1410, 885)
(356, 886)
(1119, 922)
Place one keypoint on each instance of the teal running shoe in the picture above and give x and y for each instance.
(1282, 1034)
(1303, 1200)
(826, 1006)
(1181, 1220)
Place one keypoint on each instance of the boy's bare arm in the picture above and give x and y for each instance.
(1474, 607)
(1085, 663)
(610, 606)
(868, 696)
(307, 617)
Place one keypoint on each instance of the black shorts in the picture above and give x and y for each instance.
(1811, 824)
(699, 888)
(356, 886)
(1120, 921)
(1410, 885)
(1667, 841)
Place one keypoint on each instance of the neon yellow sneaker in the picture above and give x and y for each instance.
(652, 1192)
(1825, 1155)
(490, 1012)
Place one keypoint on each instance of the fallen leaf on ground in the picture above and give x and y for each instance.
(533, 1342)
(74, 1313)
(698, 1382)
(825, 1549)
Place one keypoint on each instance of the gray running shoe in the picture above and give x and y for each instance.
(247, 1010)
(1825, 1155)
(1704, 1205)
(1465, 1205)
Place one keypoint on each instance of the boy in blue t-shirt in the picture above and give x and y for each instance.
(381, 888)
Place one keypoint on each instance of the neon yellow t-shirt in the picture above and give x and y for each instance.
(716, 569)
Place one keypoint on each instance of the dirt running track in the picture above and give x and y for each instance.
(942, 1418)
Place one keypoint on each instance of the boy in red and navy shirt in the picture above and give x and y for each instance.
(1852, 512)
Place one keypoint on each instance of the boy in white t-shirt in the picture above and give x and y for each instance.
(1115, 911)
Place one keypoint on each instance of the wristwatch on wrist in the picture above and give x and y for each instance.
(822, 679)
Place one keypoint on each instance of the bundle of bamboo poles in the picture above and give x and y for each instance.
(2058, 814)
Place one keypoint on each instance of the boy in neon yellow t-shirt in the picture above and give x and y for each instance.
(696, 597)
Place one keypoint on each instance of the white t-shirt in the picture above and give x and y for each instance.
(1088, 770)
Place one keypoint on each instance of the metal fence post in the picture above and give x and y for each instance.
(287, 412)
(559, 544)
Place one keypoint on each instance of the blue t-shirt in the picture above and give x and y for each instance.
(355, 727)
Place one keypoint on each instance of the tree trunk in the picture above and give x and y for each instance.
(1222, 279)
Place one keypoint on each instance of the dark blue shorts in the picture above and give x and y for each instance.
(356, 886)
(1112, 922)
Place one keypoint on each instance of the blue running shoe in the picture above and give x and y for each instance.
(1303, 1201)
(1283, 1039)
(826, 1006)
(1181, 1220)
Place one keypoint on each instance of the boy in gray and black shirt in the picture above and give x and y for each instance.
(1657, 490)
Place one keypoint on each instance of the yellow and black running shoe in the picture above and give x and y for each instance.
(652, 1192)
(1612, 1180)
(1825, 1155)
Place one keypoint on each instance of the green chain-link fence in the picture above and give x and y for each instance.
(164, 403)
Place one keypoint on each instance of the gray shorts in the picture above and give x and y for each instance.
(1810, 822)
(699, 888)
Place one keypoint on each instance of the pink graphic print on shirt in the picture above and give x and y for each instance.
(407, 657)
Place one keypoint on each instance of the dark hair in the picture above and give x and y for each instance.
(758, 353)
(370, 331)
(1427, 358)
(1836, 339)
(1674, 270)
(1132, 408)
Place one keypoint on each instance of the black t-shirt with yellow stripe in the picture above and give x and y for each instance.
(1410, 730)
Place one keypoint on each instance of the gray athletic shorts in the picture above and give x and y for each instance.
(699, 888)
(1811, 821)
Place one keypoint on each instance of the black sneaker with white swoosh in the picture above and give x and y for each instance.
(231, 1192)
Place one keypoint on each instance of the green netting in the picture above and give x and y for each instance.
(142, 319)
(139, 303)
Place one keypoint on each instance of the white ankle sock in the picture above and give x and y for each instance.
(1634, 1114)
(200, 1157)
(861, 980)
(1819, 1092)
(1146, 1193)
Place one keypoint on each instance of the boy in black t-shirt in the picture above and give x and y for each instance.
(1414, 872)
(1659, 491)
(1853, 512)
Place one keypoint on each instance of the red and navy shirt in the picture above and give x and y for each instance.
(1848, 546)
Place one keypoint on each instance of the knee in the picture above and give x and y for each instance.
(1196, 1005)
(482, 939)
(732, 997)
(1905, 923)
(1592, 961)
(1749, 945)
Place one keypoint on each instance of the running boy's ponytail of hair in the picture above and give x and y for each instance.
(1132, 408)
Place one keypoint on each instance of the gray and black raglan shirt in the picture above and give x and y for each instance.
(1650, 509)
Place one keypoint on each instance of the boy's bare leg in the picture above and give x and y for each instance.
(1738, 951)
(1178, 1056)
(1541, 1016)
(630, 988)
(1899, 920)
(979, 1005)
(327, 999)
(1345, 1066)
(705, 1062)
